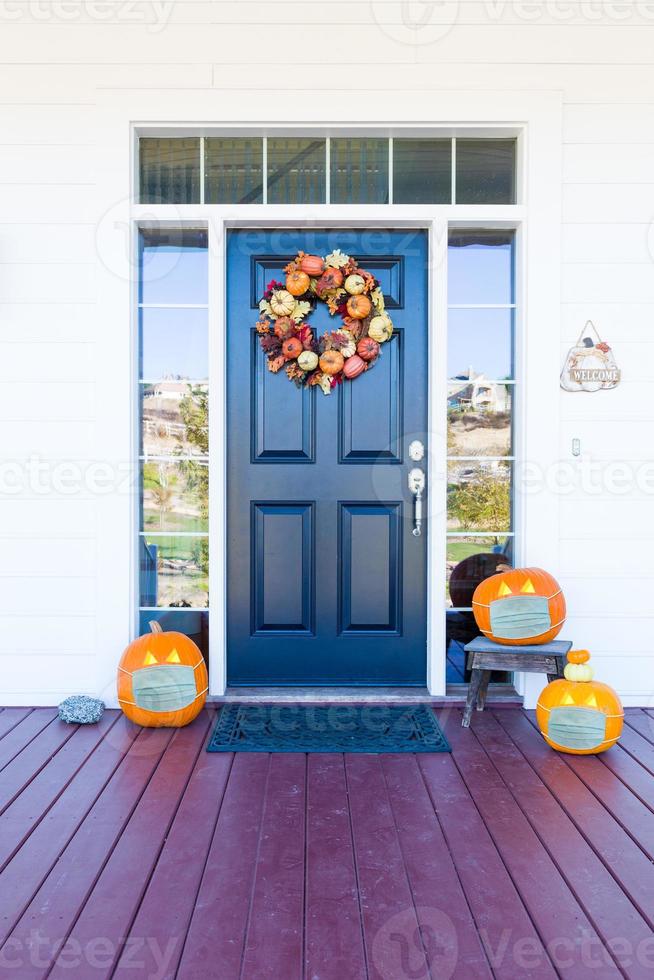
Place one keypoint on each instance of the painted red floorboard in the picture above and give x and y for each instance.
(630, 772)
(45, 924)
(23, 815)
(624, 858)
(559, 917)
(217, 932)
(333, 938)
(641, 722)
(609, 908)
(22, 769)
(156, 937)
(25, 873)
(274, 941)
(23, 733)
(110, 908)
(10, 717)
(432, 876)
(392, 932)
(504, 926)
(632, 742)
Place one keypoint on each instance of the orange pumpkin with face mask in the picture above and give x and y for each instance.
(162, 680)
(520, 606)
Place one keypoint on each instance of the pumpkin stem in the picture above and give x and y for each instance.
(155, 626)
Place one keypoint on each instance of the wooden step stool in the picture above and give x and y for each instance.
(484, 656)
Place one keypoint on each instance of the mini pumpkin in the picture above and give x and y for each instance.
(355, 284)
(292, 348)
(519, 606)
(358, 307)
(312, 265)
(329, 280)
(282, 303)
(578, 715)
(367, 348)
(297, 282)
(331, 362)
(308, 360)
(354, 366)
(381, 328)
(162, 680)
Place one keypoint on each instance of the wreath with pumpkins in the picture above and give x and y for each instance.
(287, 338)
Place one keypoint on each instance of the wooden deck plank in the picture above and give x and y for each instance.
(559, 917)
(156, 937)
(636, 745)
(22, 769)
(25, 873)
(390, 924)
(512, 751)
(333, 933)
(23, 815)
(274, 940)
(23, 733)
(45, 923)
(10, 717)
(109, 909)
(433, 878)
(500, 915)
(625, 859)
(641, 722)
(217, 931)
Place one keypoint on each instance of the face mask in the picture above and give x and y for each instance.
(520, 616)
(576, 728)
(164, 687)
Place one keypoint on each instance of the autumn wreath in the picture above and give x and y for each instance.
(286, 336)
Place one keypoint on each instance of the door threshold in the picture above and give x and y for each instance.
(357, 695)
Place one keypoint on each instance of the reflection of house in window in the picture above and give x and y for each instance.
(170, 390)
(473, 392)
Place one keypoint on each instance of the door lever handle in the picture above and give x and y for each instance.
(416, 480)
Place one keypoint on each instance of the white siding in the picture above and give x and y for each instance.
(66, 87)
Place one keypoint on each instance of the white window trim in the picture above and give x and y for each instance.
(537, 223)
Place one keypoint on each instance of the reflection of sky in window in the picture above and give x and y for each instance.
(174, 274)
(174, 344)
(481, 340)
(480, 272)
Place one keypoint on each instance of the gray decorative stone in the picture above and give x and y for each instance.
(81, 710)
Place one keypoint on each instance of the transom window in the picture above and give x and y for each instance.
(333, 170)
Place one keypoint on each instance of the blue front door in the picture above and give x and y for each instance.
(326, 584)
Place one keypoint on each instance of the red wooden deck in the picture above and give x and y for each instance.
(133, 853)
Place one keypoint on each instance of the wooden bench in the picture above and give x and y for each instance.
(485, 656)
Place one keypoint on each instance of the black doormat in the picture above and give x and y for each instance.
(373, 728)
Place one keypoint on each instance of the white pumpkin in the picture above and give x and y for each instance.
(354, 284)
(381, 328)
(578, 672)
(308, 360)
(351, 347)
(282, 303)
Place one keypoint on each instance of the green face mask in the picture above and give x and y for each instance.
(520, 617)
(164, 687)
(577, 728)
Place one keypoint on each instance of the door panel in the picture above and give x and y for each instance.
(326, 584)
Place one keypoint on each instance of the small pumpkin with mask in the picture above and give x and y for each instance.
(162, 680)
(519, 606)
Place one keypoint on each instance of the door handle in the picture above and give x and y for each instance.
(416, 481)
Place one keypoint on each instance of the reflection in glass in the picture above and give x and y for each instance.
(479, 418)
(174, 419)
(479, 496)
(169, 170)
(480, 341)
(174, 344)
(174, 571)
(422, 171)
(359, 171)
(173, 267)
(233, 171)
(174, 496)
(485, 171)
(296, 170)
(193, 623)
(480, 268)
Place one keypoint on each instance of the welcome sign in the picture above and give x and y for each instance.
(590, 365)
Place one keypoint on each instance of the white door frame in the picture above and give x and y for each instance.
(537, 328)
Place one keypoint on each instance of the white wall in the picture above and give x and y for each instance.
(66, 89)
